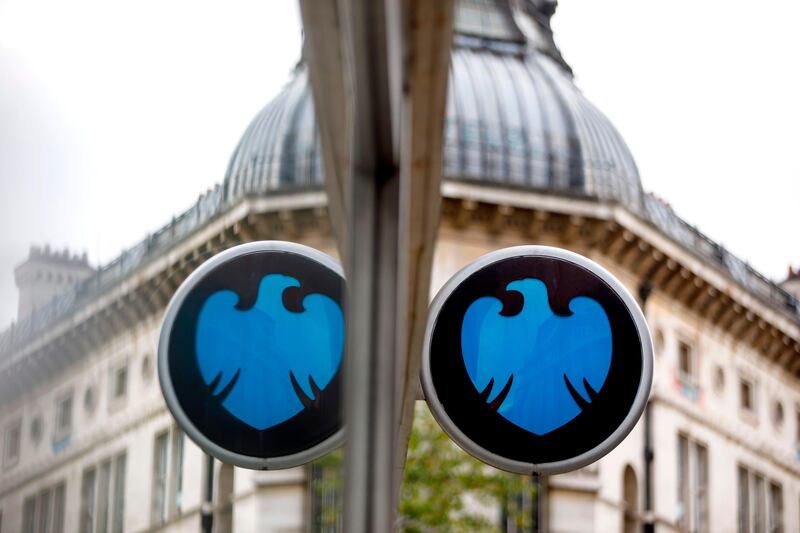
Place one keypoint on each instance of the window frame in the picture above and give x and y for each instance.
(103, 497)
(778, 414)
(118, 396)
(693, 484)
(117, 507)
(166, 483)
(748, 413)
(797, 429)
(775, 513)
(43, 511)
(756, 510)
(688, 380)
(29, 514)
(62, 432)
(15, 426)
(689, 377)
(103, 502)
(87, 510)
(159, 478)
(177, 443)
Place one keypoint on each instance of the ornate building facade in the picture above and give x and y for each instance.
(87, 442)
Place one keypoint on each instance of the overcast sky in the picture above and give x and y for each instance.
(114, 115)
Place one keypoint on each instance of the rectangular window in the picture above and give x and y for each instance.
(744, 500)
(759, 515)
(87, 501)
(103, 497)
(692, 485)
(11, 444)
(775, 522)
(44, 512)
(686, 363)
(63, 422)
(688, 372)
(700, 492)
(103, 490)
(683, 479)
(119, 494)
(29, 515)
(167, 485)
(797, 430)
(119, 382)
(746, 395)
(176, 473)
(760, 503)
(159, 494)
(59, 497)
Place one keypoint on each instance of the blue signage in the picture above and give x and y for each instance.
(536, 360)
(251, 351)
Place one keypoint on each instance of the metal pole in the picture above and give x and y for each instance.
(648, 525)
(540, 509)
(207, 507)
(371, 266)
(379, 75)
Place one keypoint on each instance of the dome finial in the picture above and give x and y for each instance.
(532, 17)
(546, 7)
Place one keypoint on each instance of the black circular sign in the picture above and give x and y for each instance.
(250, 354)
(536, 360)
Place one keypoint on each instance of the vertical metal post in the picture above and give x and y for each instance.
(207, 507)
(648, 525)
(385, 63)
(371, 266)
(540, 509)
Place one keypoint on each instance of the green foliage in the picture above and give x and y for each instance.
(326, 489)
(444, 489)
(442, 485)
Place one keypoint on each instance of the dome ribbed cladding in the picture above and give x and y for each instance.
(514, 117)
(280, 148)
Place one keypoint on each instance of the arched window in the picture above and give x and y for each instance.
(223, 500)
(630, 499)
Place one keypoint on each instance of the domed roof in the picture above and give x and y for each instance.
(514, 117)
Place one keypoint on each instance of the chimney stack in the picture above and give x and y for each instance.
(45, 274)
(792, 282)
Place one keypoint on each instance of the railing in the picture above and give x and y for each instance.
(207, 206)
(664, 218)
(213, 202)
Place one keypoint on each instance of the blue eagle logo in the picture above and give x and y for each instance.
(267, 363)
(537, 369)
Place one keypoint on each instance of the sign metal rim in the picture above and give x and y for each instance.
(564, 465)
(168, 390)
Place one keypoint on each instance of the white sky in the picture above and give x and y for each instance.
(115, 115)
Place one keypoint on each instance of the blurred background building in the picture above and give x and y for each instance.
(87, 442)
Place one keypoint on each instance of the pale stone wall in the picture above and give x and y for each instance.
(589, 500)
(579, 503)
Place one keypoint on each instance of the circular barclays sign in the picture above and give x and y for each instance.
(536, 359)
(250, 354)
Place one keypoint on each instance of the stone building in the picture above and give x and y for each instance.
(88, 445)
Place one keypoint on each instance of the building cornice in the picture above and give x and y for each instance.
(146, 291)
(633, 244)
(579, 222)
